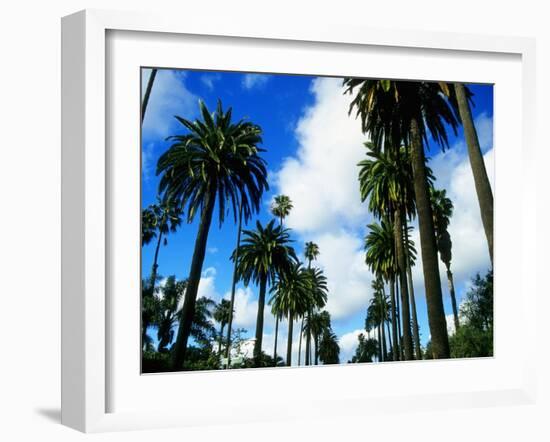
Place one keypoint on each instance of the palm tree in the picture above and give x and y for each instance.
(172, 292)
(291, 295)
(222, 313)
(380, 258)
(386, 179)
(405, 112)
(317, 324)
(311, 252)
(377, 314)
(264, 255)
(366, 349)
(161, 219)
(148, 89)
(215, 161)
(481, 180)
(329, 350)
(281, 207)
(157, 221)
(442, 208)
(202, 328)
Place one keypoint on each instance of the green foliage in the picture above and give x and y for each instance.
(281, 207)
(474, 338)
(264, 253)
(329, 350)
(168, 313)
(215, 158)
(366, 350)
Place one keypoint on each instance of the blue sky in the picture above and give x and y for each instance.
(312, 148)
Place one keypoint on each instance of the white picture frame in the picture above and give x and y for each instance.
(85, 236)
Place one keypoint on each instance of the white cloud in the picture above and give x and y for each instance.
(169, 97)
(210, 79)
(254, 81)
(330, 146)
(348, 344)
(343, 261)
(321, 180)
(147, 161)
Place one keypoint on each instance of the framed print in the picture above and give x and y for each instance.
(254, 213)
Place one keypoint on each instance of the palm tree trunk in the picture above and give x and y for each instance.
(316, 342)
(276, 337)
(300, 344)
(148, 93)
(380, 345)
(144, 323)
(481, 180)
(398, 314)
(395, 345)
(390, 351)
(383, 338)
(260, 321)
(453, 297)
(416, 330)
(233, 286)
(220, 340)
(308, 343)
(432, 283)
(405, 307)
(289, 342)
(188, 309)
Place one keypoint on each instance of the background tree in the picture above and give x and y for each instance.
(265, 253)
(281, 207)
(291, 295)
(366, 350)
(442, 213)
(329, 350)
(222, 314)
(215, 161)
(172, 293)
(311, 252)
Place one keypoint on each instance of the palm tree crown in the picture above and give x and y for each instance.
(215, 158)
(281, 207)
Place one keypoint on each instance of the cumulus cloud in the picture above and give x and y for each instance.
(254, 81)
(169, 97)
(348, 344)
(321, 179)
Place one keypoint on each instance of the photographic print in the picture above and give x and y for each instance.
(299, 220)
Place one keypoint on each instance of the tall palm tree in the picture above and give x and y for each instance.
(386, 179)
(264, 255)
(216, 161)
(317, 300)
(407, 112)
(311, 253)
(317, 324)
(380, 258)
(410, 262)
(377, 314)
(222, 313)
(172, 292)
(147, 94)
(481, 179)
(281, 207)
(329, 350)
(157, 220)
(291, 295)
(442, 208)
